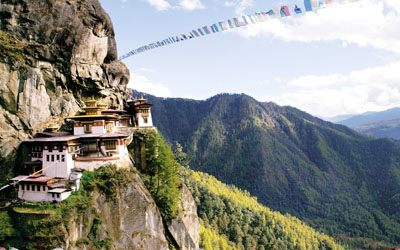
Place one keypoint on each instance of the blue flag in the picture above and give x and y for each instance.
(307, 4)
(297, 10)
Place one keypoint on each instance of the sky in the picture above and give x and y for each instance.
(344, 59)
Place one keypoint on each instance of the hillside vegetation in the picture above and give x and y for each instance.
(244, 223)
(337, 180)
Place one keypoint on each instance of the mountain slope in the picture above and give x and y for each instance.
(334, 178)
(246, 223)
(371, 117)
(389, 128)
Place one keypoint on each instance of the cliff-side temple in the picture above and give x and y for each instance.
(56, 159)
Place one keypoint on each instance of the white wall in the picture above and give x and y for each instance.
(141, 123)
(79, 131)
(58, 168)
(30, 195)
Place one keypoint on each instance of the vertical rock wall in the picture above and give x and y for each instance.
(53, 54)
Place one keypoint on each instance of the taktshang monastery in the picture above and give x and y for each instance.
(97, 139)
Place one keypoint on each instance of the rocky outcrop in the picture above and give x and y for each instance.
(53, 54)
(130, 220)
(186, 227)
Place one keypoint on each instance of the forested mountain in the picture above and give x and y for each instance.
(245, 224)
(389, 128)
(337, 180)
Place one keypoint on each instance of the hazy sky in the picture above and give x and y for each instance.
(340, 60)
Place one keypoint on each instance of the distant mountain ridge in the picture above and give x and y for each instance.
(371, 117)
(382, 129)
(334, 178)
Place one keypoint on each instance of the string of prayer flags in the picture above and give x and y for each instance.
(237, 22)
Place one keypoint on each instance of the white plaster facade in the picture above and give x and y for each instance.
(144, 122)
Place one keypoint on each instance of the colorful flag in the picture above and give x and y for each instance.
(196, 33)
(230, 24)
(214, 28)
(259, 17)
(221, 26)
(201, 32)
(314, 4)
(297, 10)
(235, 21)
(207, 30)
(254, 18)
(184, 36)
(245, 20)
(271, 13)
(251, 19)
(285, 11)
(277, 12)
(307, 5)
(225, 24)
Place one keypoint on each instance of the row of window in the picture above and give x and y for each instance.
(36, 155)
(54, 158)
(31, 187)
(38, 188)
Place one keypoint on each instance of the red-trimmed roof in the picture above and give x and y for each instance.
(40, 179)
(108, 135)
(53, 139)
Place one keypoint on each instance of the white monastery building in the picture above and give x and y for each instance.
(95, 141)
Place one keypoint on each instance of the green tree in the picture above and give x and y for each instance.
(161, 175)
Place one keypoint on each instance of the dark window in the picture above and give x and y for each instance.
(33, 187)
(22, 187)
(47, 158)
(58, 195)
(145, 120)
(60, 148)
(44, 188)
(58, 157)
(52, 157)
(87, 128)
(62, 158)
(27, 187)
(52, 195)
(50, 148)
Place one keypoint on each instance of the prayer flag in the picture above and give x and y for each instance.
(259, 18)
(251, 19)
(196, 33)
(221, 26)
(225, 24)
(297, 10)
(240, 21)
(271, 13)
(314, 4)
(285, 11)
(255, 18)
(230, 24)
(277, 12)
(207, 30)
(235, 21)
(307, 5)
(245, 20)
(184, 36)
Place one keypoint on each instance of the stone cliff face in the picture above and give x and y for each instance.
(53, 54)
(186, 227)
(130, 221)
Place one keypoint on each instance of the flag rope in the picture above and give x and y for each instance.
(237, 22)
